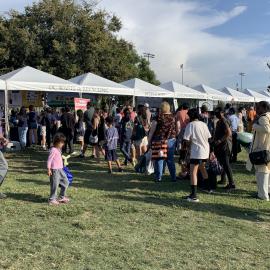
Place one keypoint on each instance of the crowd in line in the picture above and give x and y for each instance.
(206, 142)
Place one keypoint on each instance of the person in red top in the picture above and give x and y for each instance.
(182, 116)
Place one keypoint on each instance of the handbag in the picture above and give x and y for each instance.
(259, 157)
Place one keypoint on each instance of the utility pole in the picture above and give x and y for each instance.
(148, 56)
(242, 74)
(182, 68)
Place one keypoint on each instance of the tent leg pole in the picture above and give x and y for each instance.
(134, 101)
(6, 112)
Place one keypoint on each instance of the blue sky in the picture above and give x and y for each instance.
(214, 39)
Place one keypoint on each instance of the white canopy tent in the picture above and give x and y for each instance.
(238, 96)
(266, 93)
(94, 84)
(182, 91)
(212, 93)
(256, 95)
(145, 89)
(31, 79)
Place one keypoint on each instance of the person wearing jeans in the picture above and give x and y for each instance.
(164, 129)
(22, 126)
(160, 164)
(125, 149)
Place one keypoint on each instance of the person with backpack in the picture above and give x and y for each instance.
(126, 131)
(140, 132)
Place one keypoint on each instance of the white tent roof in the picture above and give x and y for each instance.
(213, 93)
(256, 95)
(31, 79)
(266, 93)
(92, 83)
(2, 85)
(182, 91)
(145, 89)
(238, 96)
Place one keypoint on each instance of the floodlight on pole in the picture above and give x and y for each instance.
(242, 74)
(148, 56)
(182, 68)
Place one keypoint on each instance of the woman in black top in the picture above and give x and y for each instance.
(223, 146)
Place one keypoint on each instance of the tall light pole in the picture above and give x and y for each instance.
(182, 68)
(242, 74)
(148, 56)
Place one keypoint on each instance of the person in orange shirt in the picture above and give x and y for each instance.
(251, 115)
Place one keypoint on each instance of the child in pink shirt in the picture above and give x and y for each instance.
(56, 172)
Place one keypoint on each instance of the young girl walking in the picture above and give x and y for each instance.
(56, 172)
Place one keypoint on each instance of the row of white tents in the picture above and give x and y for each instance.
(30, 79)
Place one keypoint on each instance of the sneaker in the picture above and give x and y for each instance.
(3, 196)
(64, 200)
(158, 180)
(44, 147)
(53, 202)
(192, 199)
(110, 171)
(134, 163)
(209, 191)
(120, 170)
(81, 156)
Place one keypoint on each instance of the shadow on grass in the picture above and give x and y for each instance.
(224, 210)
(27, 197)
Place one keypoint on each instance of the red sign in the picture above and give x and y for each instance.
(81, 104)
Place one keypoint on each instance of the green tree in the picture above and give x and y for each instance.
(145, 72)
(68, 39)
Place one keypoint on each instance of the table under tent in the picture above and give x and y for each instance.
(31, 80)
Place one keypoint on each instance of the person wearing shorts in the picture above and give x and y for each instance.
(197, 135)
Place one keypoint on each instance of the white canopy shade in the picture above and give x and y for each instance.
(2, 85)
(145, 89)
(237, 96)
(266, 93)
(213, 93)
(31, 79)
(182, 91)
(95, 84)
(256, 95)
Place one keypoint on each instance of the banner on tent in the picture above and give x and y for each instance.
(81, 103)
(32, 98)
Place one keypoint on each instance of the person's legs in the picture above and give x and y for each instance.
(170, 158)
(30, 136)
(193, 181)
(86, 141)
(70, 144)
(158, 166)
(54, 183)
(234, 147)
(125, 149)
(263, 185)
(23, 136)
(3, 168)
(63, 182)
(224, 161)
(110, 166)
(35, 136)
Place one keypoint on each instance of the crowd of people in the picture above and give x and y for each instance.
(206, 141)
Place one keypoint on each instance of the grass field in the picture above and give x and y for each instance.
(126, 221)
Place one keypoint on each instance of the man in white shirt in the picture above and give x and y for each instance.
(234, 123)
(198, 135)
